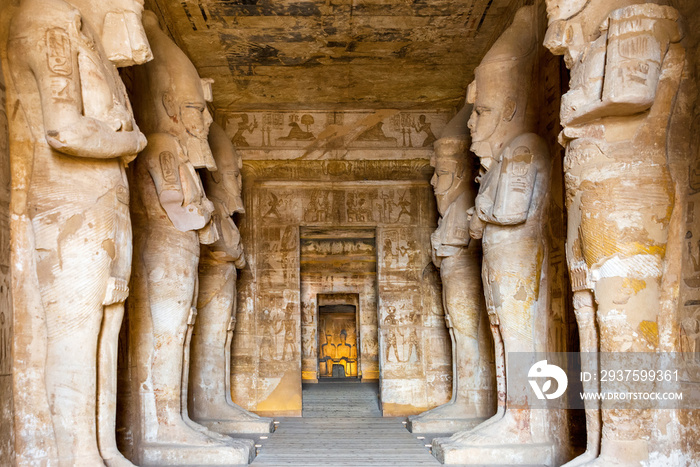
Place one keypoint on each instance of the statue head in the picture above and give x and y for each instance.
(225, 182)
(452, 171)
(572, 24)
(343, 336)
(501, 89)
(118, 23)
(177, 96)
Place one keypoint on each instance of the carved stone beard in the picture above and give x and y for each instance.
(232, 203)
(446, 198)
(198, 152)
(482, 149)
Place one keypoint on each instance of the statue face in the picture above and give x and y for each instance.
(196, 120)
(491, 120)
(485, 117)
(444, 182)
(229, 174)
(118, 22)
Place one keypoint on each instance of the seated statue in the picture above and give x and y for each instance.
(327, 354)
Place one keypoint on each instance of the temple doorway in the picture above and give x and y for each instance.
(338, 301)
(338, 354)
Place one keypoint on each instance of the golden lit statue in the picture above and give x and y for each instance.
(327, 355)
(71, 189)
(346, 355)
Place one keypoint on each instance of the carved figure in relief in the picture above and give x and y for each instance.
(244, 125)
(690, 338)
(268, 348)
(73, 203)
(210, 384)
(403, 205)
(273, 204)
(172, 217)
(509, 216)
(424, 126)
(390, 336)
(459, 259)
(295, 131)
(413, 344)
(626, 66)
(290, 332)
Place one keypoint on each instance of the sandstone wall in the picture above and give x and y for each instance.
(338, 170)
(6, 434)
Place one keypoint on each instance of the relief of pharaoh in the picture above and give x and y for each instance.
(171, 217)
(62, 57)
(459, 258)
(626, 66)
(210, 383)
(510, 216)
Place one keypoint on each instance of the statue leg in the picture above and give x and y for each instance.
(472, 379)
(500, 360)
(108, 344)
(171, 287)
(170, 260)
(513, 272)
(73, 272)
(624, 304)
(584, 308)
(210, 400)
(107, 386)
(514, 275)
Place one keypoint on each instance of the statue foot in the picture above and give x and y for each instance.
(113, 458)
(233, 419)
(179, 444)
(504, 430)
(620, 453)
(206, 431)
(584, 459)
(500, 412)
(448, 418)
(182, 433)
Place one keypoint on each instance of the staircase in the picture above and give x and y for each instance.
(342, 426)
(340, 400)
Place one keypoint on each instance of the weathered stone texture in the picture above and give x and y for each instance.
(341, 54)
(371, 220)
(6, 315)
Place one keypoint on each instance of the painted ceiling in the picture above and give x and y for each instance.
(336, 54)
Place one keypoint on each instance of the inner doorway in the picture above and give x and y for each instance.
(338, 353)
